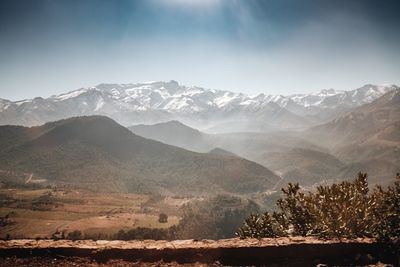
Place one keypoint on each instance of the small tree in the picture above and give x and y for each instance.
(163, 218)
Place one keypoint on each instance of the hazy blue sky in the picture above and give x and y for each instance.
(278, 47)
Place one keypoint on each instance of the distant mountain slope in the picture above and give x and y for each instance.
(97, 153)
(245, 144)
(362, 123)
(368, 138)
(174, 133)
(293, 158)
(154, 102)
(380, 171)
(305, 166)
(222, 152)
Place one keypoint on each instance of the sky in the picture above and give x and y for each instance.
(253, 46)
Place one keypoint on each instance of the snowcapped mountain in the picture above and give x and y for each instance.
(153, 102)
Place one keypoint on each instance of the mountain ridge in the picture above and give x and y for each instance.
(155, 102)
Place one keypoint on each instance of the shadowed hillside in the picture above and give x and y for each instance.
(95, 152)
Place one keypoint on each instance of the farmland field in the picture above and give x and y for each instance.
(39, 213)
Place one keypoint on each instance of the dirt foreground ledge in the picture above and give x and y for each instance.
(288, 251)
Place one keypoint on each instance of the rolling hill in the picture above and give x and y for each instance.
(96, 152)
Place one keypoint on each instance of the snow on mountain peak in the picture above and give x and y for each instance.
(173, 96)
(73, 94)
(166, 98)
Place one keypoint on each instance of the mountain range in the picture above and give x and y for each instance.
(97, 153)
(242, 145)
(208, 109)
(367, 138)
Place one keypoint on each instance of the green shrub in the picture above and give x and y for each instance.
(346, 209)
(263, 225)
(386, 214)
